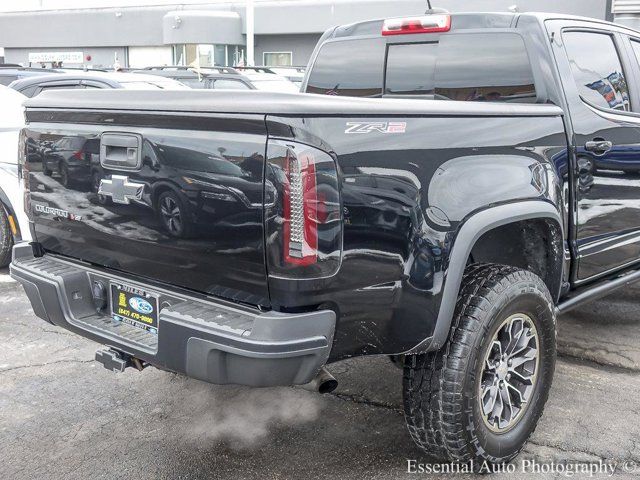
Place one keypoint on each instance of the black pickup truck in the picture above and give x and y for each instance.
(253, 238)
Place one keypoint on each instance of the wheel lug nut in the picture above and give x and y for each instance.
(508, 376)
(510, 362)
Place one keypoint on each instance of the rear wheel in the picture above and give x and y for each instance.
(6, 239)
(480, 397)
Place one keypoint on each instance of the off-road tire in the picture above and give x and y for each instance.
(6, 239)
(441, 388)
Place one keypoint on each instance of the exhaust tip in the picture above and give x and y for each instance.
(328, 386)
(322, 383)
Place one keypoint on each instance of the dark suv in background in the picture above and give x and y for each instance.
(70, 157)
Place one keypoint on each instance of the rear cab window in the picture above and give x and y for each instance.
(352, 68)
(492, 66)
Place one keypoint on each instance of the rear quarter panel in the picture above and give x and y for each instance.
(405, 195)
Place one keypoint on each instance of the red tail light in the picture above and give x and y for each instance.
(302, 211)
(78, 155)
(300, 206)
(424, 24)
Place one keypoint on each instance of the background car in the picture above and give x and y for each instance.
(180, 73)
(228, 78)
(9, 74)
(291, 73)
(225, 78)
(69, 157)
(30, 87)
(13, 221)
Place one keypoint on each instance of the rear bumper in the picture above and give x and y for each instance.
(204, 339)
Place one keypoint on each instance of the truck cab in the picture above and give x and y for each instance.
(588, 67)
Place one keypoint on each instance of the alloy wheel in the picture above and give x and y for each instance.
(509, 373)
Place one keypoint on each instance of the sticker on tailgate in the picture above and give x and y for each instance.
(134, 306)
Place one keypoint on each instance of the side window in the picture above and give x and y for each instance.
(29, 91)
(192, 82)
(349, 67)
(45, 87)
(228, 84)
(597, 69)
(635, 44)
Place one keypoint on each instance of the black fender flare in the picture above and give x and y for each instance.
(470, 231)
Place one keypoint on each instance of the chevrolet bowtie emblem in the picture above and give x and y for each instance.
(120, 189)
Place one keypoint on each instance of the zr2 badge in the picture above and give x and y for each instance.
(378, 127)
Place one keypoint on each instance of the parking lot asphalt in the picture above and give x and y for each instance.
(64, 416)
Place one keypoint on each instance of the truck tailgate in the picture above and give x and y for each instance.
(170, 198)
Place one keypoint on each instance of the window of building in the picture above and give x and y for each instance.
(140, 57)
(277, 59)
(597, 70)
(204, 55)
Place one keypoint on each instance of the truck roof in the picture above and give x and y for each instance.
(469, 20)
(211, 101)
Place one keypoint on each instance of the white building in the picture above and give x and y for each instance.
(210, 33)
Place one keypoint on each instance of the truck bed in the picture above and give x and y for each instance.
(408, 173)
